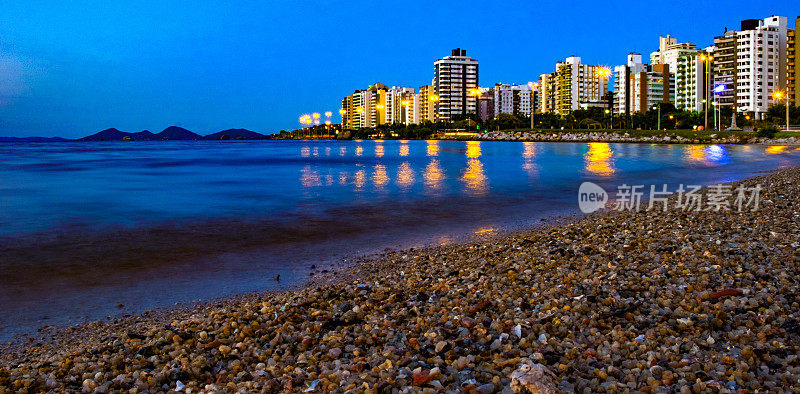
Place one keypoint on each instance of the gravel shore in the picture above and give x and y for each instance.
(620, 301)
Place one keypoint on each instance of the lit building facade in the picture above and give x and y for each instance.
(364, 108)
(576, 85)
(400, 105)
(426, 104)
(691, 81)
(454, 78)
(792, 58)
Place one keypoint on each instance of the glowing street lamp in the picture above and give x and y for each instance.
(328, 114)
(433, 97)
(533, 86)
(778, 95)
(707, 60)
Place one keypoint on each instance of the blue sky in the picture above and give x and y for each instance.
(73, 68)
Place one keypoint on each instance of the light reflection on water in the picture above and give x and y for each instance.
(599, 159)
(432, 147)
(433, 175)
(50, 185)
(776, 149)
(405, 175)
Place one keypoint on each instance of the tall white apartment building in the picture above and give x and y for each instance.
(761, 68)
(751, 64)
(691, 81)
(455, 77)
(512, 99)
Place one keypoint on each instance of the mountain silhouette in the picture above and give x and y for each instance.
(233, 134)
(175, 133)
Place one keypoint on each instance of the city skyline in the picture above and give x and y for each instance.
(145, 68)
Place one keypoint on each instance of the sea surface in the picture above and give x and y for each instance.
(90, 230)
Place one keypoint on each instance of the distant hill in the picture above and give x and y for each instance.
(34, 139)
(111, 134)
(144, 135)
(233, 134)
(175, 133)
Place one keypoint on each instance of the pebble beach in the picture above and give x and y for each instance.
(614, 302)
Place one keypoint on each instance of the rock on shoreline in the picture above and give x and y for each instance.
(673, 302)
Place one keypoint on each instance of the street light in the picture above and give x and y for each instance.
(658, 106)
(533, 86)
(778, 95)
(474, 92)
(604, 73)
(706, 59)
(718, 89)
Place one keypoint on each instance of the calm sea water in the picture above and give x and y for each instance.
(93, 229)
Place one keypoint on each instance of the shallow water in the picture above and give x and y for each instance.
(94, 229)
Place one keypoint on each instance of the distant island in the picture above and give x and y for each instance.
(171, 133)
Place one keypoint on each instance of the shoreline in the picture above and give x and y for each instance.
(590, 299)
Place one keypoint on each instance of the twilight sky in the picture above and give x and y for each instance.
(73, 68)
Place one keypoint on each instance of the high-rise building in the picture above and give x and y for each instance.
(578, 85)
(793, 64)
(400, 105)
(512, 99)
(750, 64)
(691, 81)
(547, 93)
(426, 104)
(639, 86)
(455, 80)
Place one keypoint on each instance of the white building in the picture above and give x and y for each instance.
(454, 79)
(761, 67)
(512, 99)
(669, 50)
(691, 82)
(401, 105)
